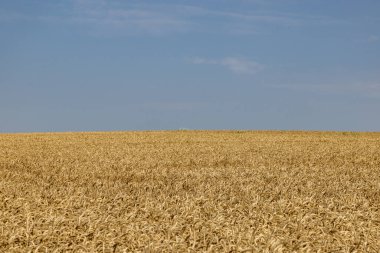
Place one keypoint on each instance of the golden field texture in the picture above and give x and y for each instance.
(190, 191)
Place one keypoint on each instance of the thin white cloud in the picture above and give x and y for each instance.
(234, 64)
(126, 17)
(277, 18)
(86, 3)
(164, 18)
(10, 16)
(369, 89)
(256, 17)
(172, 106)
(122, 18)
(241, 66)
(373, 38)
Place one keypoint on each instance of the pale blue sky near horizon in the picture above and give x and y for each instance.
(90, 65)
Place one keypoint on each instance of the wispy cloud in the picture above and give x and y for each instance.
(122, 18)
(257, 17)
(11, 16)
(234, 64)
(373, 38)
(368, 89)
(172, 106)
(371, 89)
(135, 17)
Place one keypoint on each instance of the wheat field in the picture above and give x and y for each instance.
(190, 191)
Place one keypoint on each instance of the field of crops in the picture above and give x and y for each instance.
(190, 191)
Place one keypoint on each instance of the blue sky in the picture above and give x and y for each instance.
(82, 65)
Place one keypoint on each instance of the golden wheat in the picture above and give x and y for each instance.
(190, 191)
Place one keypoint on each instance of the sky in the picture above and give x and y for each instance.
(103, 65)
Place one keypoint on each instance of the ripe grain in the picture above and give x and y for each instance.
(190, 191)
